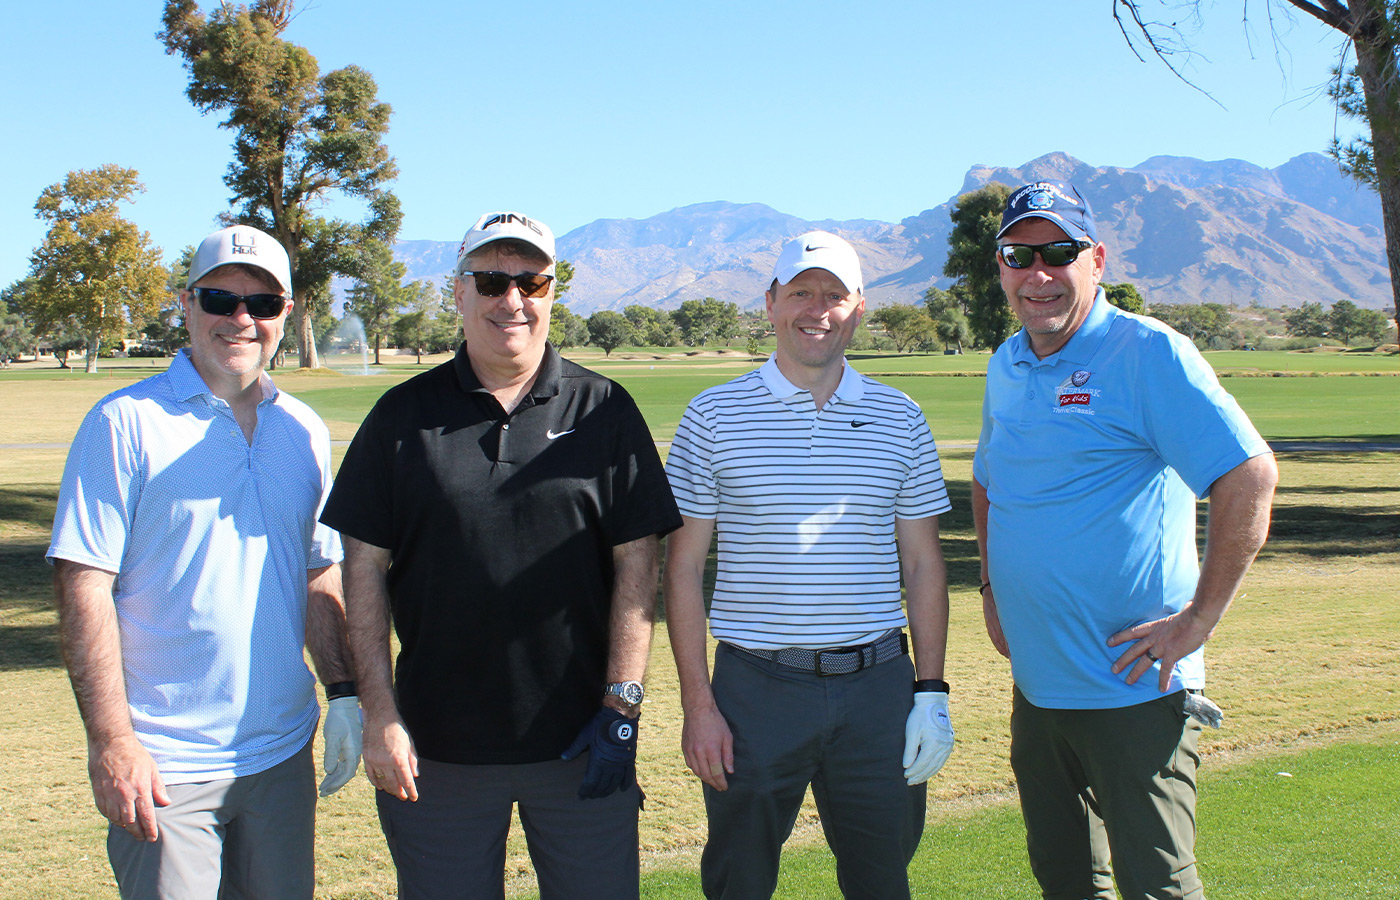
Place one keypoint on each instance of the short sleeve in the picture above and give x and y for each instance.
(923, 493)
(97, 499)
(642, 504)
(360, 502)
(1196, 427)
(688, 466)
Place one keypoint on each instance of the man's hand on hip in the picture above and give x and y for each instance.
(611, 741)
(127, 786)
(343, 735)
(928, 736)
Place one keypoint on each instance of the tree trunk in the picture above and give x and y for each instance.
(90, 366)
(1375, 64)
(306, 336)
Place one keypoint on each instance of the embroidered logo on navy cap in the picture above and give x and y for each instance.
(1040, 199)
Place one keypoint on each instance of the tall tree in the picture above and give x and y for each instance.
(1368, 90)
(95, 270)
(972, 247)
(414, 329)
(378, 294)
(300, 139)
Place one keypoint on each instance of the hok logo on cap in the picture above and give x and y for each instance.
(244, 244)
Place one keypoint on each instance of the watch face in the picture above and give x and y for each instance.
(630, 692)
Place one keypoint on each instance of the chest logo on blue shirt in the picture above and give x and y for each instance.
(1073, 397)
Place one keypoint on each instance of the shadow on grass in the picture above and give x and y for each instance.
(1324, 531)
(26, 580)
(26, 585)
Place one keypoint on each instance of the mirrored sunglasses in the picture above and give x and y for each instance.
(495, 284)
(225, 303)
(1055, 253)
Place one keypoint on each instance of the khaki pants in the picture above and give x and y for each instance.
(246, 837)
(1109, 784)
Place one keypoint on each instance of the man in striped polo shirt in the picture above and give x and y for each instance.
(822, 483)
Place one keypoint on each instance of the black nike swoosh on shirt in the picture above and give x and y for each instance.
(855, 424)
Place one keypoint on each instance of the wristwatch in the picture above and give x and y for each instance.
(629, 692)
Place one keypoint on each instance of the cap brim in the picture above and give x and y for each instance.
(1070, 230)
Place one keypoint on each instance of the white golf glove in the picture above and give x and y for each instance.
(343, 733)
(928, 736)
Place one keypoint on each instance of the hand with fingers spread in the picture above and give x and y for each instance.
(708, 745)
(1160, 642)
(126, 786)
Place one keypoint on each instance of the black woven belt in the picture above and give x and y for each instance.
(836, 660)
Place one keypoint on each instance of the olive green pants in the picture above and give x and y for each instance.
(1101, 785)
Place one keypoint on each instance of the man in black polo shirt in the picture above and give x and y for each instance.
(505, 507)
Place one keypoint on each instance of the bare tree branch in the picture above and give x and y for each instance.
(1161, 47)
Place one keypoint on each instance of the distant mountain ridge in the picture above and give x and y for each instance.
(1184, 230)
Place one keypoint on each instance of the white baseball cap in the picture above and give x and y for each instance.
(499, 226)
(242, 245)
(819, 250)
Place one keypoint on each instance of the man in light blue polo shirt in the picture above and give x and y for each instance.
(190, 570)
(1099, 431)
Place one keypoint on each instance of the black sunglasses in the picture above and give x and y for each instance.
(495, 284)
(1055, 253)
(225, 303)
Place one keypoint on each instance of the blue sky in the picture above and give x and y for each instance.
(572, 112)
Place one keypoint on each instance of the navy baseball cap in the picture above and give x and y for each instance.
(1058, 201)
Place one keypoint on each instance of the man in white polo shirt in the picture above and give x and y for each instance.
(822, 483)
(190, 571)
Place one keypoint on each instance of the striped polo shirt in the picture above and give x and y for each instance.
(805, 501)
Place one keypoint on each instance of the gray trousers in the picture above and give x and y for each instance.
(247, 837)
(843, 735)
(451, 841)
(1101, 784)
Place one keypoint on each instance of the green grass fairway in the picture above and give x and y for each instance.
(1306, 664)
(1313, 833)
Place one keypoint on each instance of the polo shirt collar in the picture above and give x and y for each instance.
(546, 381)
(187, 383)
(851, 388)
(1081, 346)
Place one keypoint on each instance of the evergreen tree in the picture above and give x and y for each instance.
(300, 139)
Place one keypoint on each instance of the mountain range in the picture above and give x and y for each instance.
(1183, 230)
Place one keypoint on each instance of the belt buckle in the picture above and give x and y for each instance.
(858, 651)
